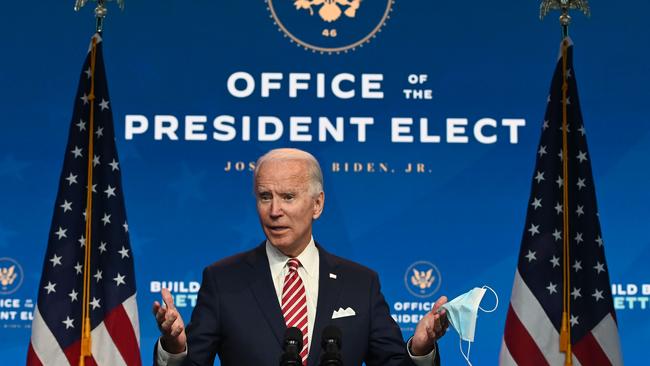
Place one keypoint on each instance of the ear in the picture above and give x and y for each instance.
(319, 202)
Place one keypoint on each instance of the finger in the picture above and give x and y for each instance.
(440, 335)
(436, 323)
(444, 320)
(432, 321)
(170, 318)
(431, 333)
(436, 318)
(441, 301)
(160, 315)
(167, 298)
(173, 331)
(156, 306)
(177, 329)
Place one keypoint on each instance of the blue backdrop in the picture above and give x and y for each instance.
(189, 200)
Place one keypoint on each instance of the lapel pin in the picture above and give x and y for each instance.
(332, 275)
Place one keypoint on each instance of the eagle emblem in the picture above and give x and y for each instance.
(7, 276)
(423, 280)
(329, 10)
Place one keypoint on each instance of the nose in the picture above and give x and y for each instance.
(276, 208)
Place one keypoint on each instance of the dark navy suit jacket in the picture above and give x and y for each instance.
(238, 318)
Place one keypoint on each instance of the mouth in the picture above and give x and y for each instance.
(278, 229)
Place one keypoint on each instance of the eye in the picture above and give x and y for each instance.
(264, 196)
(289, 196)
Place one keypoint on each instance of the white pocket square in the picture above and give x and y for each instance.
(342, 313)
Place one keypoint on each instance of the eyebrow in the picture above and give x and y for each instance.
(291, 190)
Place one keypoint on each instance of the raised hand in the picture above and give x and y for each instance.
(429, 329)
(170, 323)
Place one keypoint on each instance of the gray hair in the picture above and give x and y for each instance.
(289, 154)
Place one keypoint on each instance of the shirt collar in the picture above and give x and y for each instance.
(308, 258)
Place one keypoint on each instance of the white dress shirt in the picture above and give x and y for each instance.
(308, 272)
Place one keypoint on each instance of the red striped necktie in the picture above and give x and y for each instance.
(294, 305)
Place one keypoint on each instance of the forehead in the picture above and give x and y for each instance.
(282, 175)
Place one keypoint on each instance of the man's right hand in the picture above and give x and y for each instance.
(170, 323)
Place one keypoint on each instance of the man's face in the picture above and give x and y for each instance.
(285, 205)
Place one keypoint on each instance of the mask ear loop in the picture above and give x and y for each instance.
(495, 296)
(469, 345)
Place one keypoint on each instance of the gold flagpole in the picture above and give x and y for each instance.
(565, 19)
(86, 341)
(86, 349)
(565, 330)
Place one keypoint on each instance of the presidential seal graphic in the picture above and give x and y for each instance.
(330, 26)
(422, 279)
(11, 276)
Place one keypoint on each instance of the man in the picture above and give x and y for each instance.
(246, 302)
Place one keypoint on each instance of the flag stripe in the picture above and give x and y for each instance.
(533, 318)
(589, 352)
(518, 341)
(44, 343)
(32, 358)
(117, 324)
(72, 352)
(131, 308)
(603, 335)
(103, 348)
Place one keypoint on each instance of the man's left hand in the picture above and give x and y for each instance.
(429, 329)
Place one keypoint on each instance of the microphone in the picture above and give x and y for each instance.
(331, 343)
(292, 346)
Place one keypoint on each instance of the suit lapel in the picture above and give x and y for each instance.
(329, 290)
(261, 284)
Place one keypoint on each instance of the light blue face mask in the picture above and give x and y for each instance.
(462, 313)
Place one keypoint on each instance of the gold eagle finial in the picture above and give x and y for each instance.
(564, 5)
(100, 10)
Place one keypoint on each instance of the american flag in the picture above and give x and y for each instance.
(532, 331)
(56, 328)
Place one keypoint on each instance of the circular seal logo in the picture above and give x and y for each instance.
(422, 279)
(330, 25)
(11, 276)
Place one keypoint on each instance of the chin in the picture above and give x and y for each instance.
(279, 242)
(285, 245)
(285, 248)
